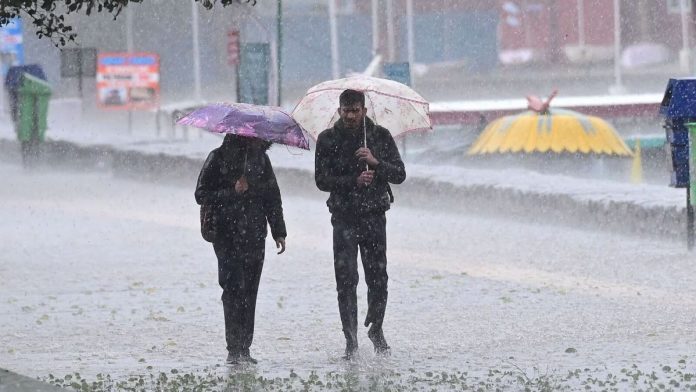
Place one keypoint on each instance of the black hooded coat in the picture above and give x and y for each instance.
(241, 226)
(241, 216)
(337, 168)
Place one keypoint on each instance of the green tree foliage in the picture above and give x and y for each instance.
(48, 16)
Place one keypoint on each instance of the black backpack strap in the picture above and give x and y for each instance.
(391, 195)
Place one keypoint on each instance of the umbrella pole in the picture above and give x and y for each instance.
(367, 167)
(364, 133)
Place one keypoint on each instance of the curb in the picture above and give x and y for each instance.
(622, 217)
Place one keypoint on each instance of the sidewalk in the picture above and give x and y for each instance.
(13, 382)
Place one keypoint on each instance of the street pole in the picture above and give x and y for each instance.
(581, 23)
(130, 45)
(196, 52)
(129, 29)
(391, 34)
(618, 87)
(79, 76)
(279, 49)
(410, 39)
(525, 20)
(685, 52)
(689, 221)
(375, 27)
(335, 69)
(411, 54)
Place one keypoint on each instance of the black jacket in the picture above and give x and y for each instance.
(337, 169)
(243, 216)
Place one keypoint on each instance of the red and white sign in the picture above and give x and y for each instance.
(128, 81)
(233, 47)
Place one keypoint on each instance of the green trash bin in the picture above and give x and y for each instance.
(32, 113)
(692, 162)
(32, 104)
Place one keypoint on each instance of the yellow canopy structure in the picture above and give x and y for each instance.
(556, 130)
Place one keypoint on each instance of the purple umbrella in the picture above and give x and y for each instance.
(263, 122)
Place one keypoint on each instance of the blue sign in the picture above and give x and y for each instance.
(11, 44)
(143, 60)
(399, 72)
(112, 60)
(252, 74)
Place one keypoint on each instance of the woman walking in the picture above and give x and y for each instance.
(237, 183)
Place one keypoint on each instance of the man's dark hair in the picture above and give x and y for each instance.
(351, 97)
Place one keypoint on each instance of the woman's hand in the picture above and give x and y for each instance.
(280, 243)
(241, 185)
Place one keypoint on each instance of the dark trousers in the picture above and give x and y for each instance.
(367, 234)
(239, 272)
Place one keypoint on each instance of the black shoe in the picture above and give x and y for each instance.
(248, 359)
(233, 359)
(377, 337)
(351, 352)
(383, 351)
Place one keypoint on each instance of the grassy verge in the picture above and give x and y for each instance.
(661, 379)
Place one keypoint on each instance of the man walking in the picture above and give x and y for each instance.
(355, 161)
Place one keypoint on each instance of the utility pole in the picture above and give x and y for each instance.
(129, 47)
(333, 24)
(581, 23)
(196, 52)
(410, 39)
(279, 49)
(375, 27)
(685, 52)
(129, 29)
(391, 33)
(618, 87)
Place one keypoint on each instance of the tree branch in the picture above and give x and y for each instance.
(48, 16)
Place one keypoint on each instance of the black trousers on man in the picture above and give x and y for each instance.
(239, 271)
(366, 233)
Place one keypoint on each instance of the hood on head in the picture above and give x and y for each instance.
(236, 142)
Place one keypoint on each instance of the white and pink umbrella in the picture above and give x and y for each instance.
(390, 104)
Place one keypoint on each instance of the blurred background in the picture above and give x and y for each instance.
(473, 60)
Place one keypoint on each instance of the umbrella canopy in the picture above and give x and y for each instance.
(390, 104)
(263, 122)
(556, 130)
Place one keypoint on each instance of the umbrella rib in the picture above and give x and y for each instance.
(291, 118)
(405, 131)
(374, 112)
(402, 134)
(427, 116)
(369, 90)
